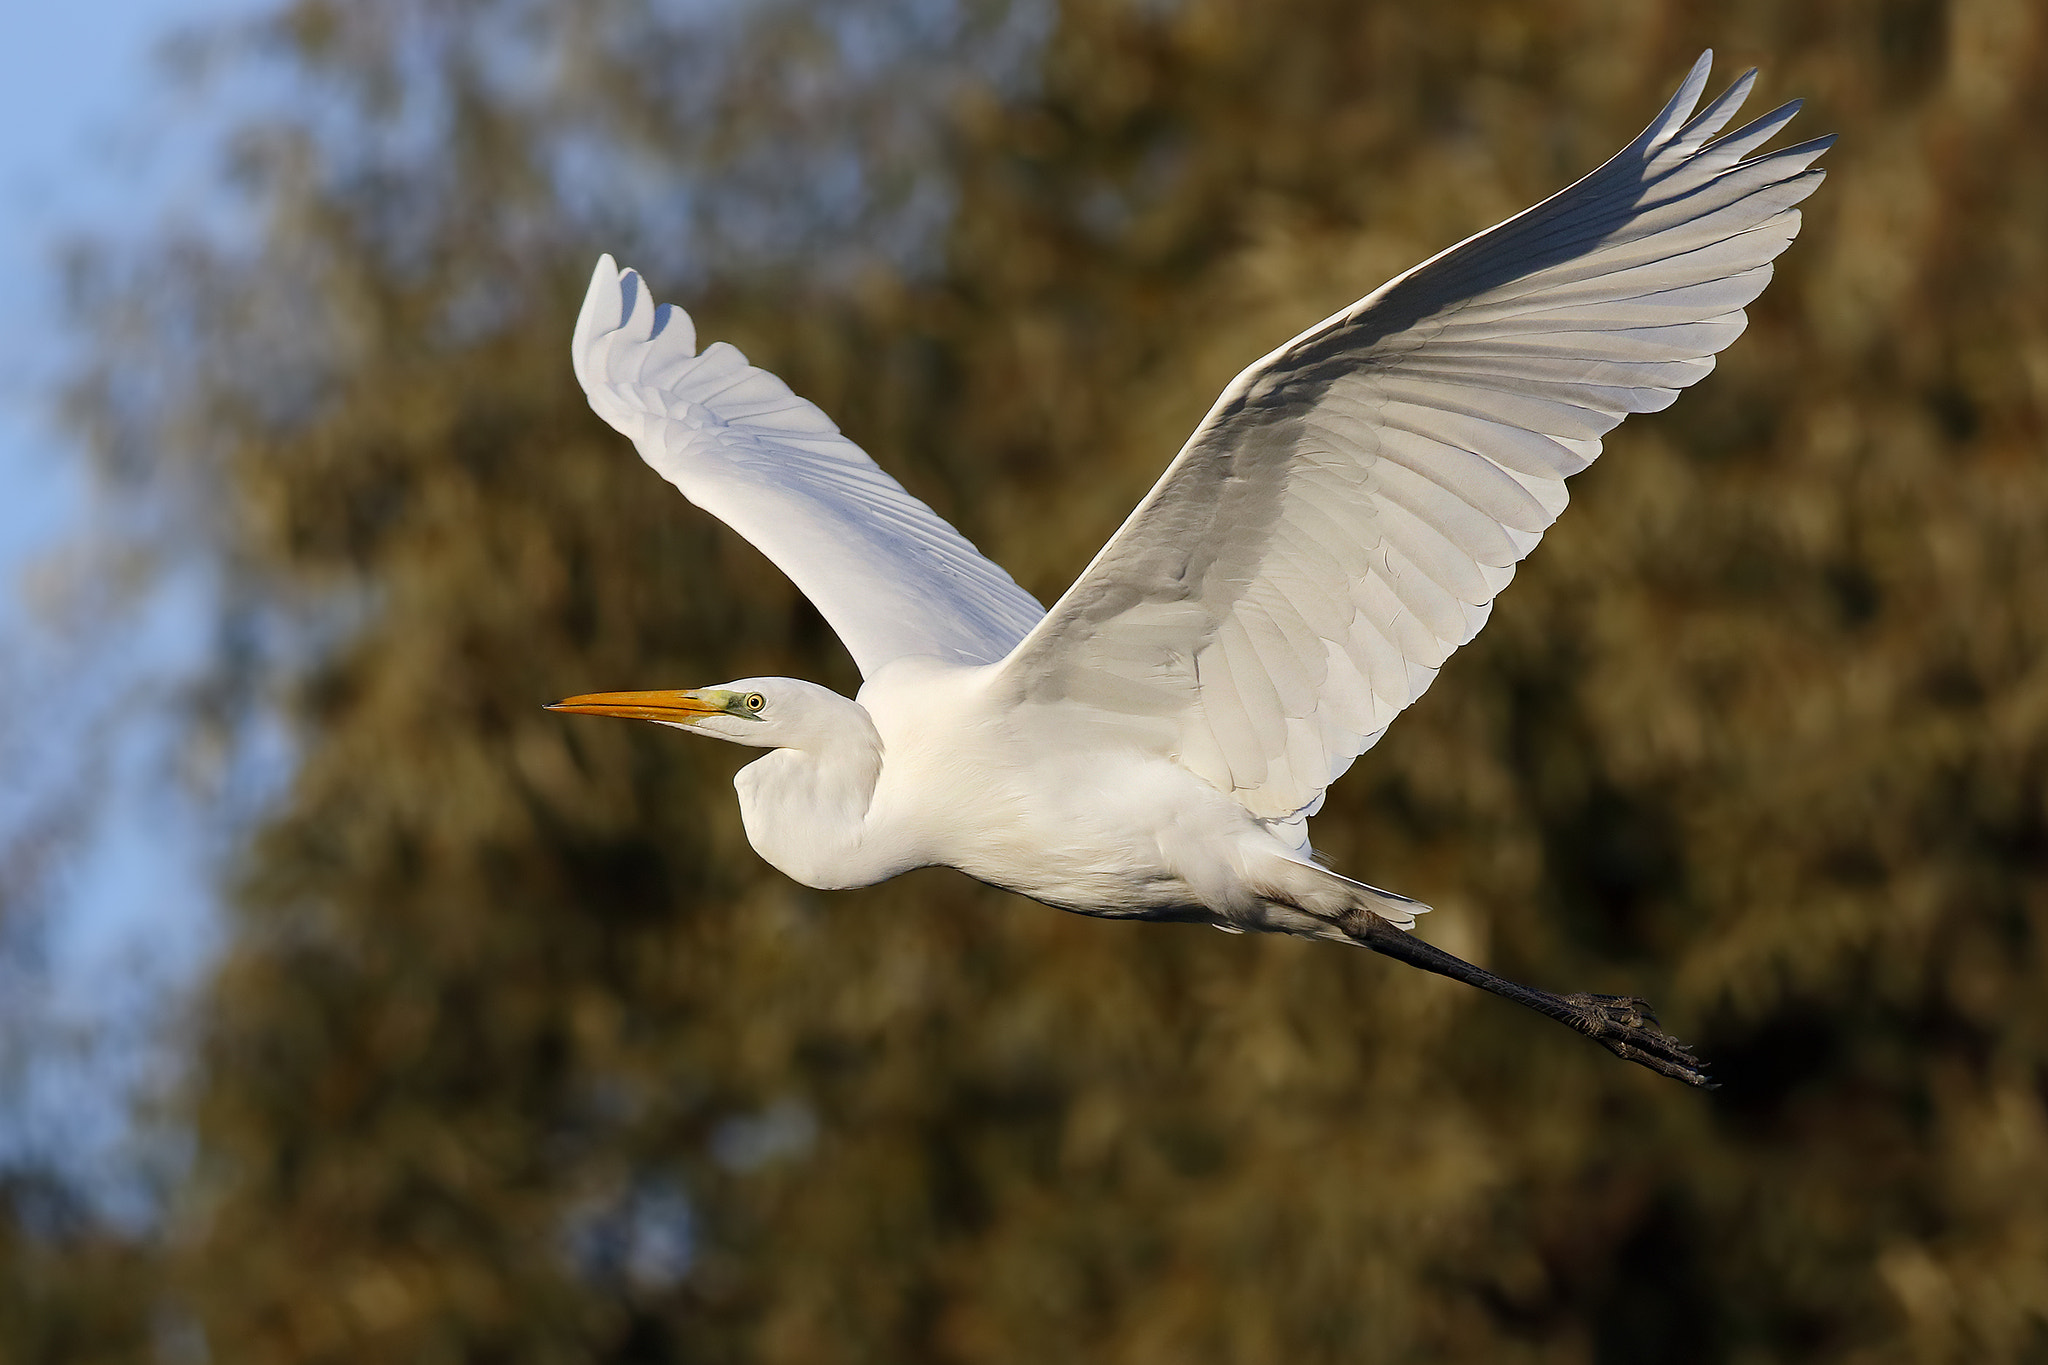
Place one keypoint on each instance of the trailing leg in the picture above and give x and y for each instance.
(1623, 1025)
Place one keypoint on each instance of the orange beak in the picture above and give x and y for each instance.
(679, 708)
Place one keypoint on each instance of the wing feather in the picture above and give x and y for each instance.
(1348, 511)
(886, 571)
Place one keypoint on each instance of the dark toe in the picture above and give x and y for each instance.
(1627, 1027)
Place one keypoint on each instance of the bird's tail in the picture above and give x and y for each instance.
(1391, 906)
(1330, 897)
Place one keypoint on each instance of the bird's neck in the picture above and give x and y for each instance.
(806, 809)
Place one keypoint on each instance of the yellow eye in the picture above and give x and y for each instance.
(754, 701)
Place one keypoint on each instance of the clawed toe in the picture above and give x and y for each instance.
(1627, 1027)
(1622, 1024)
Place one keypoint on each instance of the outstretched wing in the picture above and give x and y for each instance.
(886, 571)
(1345, 515)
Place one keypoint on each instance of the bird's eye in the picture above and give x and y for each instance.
(754, 701)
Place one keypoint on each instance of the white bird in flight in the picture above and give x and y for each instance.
(1152, 747)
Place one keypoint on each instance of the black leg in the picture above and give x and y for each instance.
(1623, 1025)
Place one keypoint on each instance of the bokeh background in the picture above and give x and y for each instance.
(506, 1048)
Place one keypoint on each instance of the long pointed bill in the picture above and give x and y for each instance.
(677, 708)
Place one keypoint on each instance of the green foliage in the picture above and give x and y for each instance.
(520, 1054)
(71, 1293)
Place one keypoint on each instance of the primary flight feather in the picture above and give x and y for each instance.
(1339, 523)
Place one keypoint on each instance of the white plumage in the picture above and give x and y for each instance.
(891, 577)
(1338, 524)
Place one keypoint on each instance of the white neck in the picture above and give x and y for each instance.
(806, 809)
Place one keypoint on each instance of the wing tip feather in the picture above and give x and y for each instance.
(601, 299)
(1678, 111)
(618, 313)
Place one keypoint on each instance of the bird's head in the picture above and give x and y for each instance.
(763, 713)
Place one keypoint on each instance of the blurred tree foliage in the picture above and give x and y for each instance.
(519, 1054)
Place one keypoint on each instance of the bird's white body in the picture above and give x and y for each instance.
(859, 791)
(1342, 520)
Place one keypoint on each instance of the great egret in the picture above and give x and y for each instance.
(1343, 518)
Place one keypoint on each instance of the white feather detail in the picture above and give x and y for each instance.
(889, 574)
(1345, 515)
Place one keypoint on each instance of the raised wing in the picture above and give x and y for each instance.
(1345, 515)
(886, 571)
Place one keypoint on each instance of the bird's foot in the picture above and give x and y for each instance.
(1627, 1027)
(1624, 1025)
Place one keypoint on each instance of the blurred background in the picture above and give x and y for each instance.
(351, 1008)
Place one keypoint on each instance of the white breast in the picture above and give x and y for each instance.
(1037, 801)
